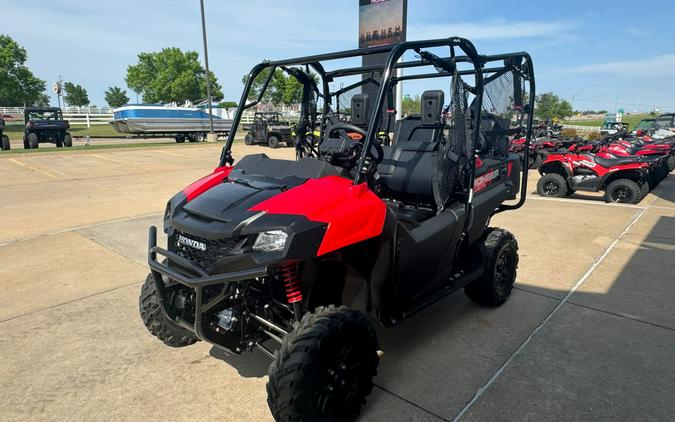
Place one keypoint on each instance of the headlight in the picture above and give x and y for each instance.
(271, 241)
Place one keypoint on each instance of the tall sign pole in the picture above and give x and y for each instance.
(382, 22)
(208, 74)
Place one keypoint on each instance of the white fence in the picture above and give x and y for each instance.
(101, 116)
(66, 110)
(582, 128)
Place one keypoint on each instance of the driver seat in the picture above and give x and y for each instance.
(406, 170)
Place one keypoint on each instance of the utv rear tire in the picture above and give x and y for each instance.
(154, 320)
(623, 191)
(67, 141)
(248, 139)
(26, 145)
(325, 367)
(273, 141)
(553, 185)
(33, 141)
(5, 143)
(500, 262)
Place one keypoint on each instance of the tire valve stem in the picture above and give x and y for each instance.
(292, 284)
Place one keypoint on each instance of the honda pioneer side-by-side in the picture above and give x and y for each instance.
(45, 124)
(288, 257)
(269, 128)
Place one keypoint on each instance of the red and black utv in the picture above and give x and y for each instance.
(291, 255)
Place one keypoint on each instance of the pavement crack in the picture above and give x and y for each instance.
(412, 403)
(68, 302)
(86, 226)
(624, 316)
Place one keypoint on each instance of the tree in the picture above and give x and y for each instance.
(75, 95)
(411, 105)
(18, 85)
(171, 75)
(228, 104)
(550, 106)
(116, 97)
(282, 89)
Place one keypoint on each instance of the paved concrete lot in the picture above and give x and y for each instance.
(589, 332)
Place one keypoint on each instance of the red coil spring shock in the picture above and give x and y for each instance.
(292, 282)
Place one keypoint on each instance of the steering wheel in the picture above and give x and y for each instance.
(348, 127)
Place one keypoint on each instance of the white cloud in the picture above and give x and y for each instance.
(491, 30)
(662, 66)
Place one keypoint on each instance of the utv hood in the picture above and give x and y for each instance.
(320, 215)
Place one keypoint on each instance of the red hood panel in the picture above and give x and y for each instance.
(353, 213)
(207, 182)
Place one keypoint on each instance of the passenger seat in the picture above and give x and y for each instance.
(407, 169)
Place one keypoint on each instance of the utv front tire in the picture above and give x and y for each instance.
(248, 139)
(273, 141)
(68, 140)
(33, 141)
(154, 320)
(552, 185)
(500, 262)
(325, 367)
(5, 143)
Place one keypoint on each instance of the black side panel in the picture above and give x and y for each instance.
(423, 251)
(484, 205)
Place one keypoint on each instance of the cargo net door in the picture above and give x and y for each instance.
(504, 116)
(454, 147)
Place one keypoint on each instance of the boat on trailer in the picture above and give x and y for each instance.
(185, 122)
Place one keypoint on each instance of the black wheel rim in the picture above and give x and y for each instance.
(622, 194)
(551, 188)
(340, 382)
(505, 267)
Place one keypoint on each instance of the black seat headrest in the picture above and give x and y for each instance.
(432, 107)
(360, 109)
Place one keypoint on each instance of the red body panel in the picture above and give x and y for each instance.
(572, 160)
(353, 213)
(207, 182)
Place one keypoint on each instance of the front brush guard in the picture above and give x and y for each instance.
(198, 280)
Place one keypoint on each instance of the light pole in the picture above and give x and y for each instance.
(211, 136)
(575, 94)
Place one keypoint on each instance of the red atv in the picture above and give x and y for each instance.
(286, 257)
(624, 179)
(661, 155)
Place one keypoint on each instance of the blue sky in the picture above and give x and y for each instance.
(601, 52)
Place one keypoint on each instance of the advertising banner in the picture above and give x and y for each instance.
(381, 22)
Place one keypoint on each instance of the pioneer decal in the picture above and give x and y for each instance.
(483, 181)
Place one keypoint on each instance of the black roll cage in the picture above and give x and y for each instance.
(481, 74)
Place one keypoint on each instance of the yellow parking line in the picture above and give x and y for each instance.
(17, 162)
(105, 158)
(32, 168)
(49, 168)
